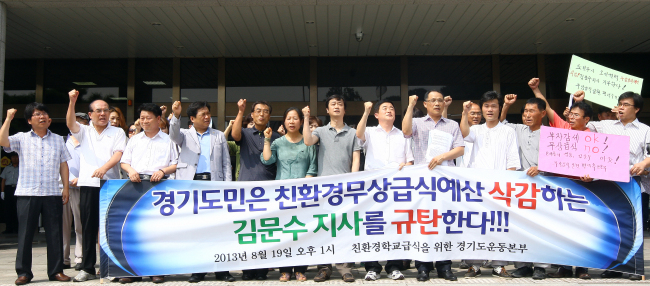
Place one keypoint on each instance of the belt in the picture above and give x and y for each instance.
(148, 177)
(202, 177)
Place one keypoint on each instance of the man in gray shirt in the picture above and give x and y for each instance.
(339, 153)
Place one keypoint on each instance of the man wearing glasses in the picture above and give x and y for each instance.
(251, 142)
(100, 147)
(433, 127)
(629, 104)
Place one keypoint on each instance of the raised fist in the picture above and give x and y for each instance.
(579, 96)
(177, 108)
(368, 106)
(241, 104)
(413, 99)
(510, 99)
(163, 108)
(306, 112)
(11, 113)
(268, 132)
(467, 106)
(533, 83)
(447, 101)
(73, 94)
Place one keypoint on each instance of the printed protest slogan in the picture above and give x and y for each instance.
(601, 84)
(178, 227)
(579, 153)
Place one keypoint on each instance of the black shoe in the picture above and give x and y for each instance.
(261, 277)
(448, 275)
(635, 277)
(582, 273)
(539, 274)
(611, 274)
(525, 271)
(196, 277)
(423, 275)
(226, 277)
(247, 277)
(561, 273)
(66, 266)
(78, 267)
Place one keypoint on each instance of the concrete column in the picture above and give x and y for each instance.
(313, 86)
(496, 74)
(176, 81)
(3, 39)
(221, 94)
(404, 83)
(130, 92)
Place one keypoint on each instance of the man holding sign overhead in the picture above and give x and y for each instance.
(438, 141)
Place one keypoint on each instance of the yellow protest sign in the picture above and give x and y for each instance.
(601, 84)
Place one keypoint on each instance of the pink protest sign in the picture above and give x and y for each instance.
(579, 153)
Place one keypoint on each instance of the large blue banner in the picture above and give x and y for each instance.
(178, 227)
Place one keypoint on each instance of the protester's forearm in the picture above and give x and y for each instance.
(236, 126)
(71, 118)
(65, 174)
(407, 123)
(464, 125)
(356, 160)
(4, 133)
(504, 112)
(113, 161)
(361, 127)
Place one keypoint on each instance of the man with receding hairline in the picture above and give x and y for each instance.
(100, 147)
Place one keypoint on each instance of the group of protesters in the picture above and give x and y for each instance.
(59, 180)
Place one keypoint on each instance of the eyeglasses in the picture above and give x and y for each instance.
(439, 100)
(575, 115)
(625, 105)
(475, 114)
(131, 130)
(100, 111)
(38, 114)
(265, 111)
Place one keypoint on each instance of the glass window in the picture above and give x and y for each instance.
(557, 70)
(515, 72)
(20, 82)
(270, 79)
(153, 81)
(461, 77)
(359, 79)
(199, 80)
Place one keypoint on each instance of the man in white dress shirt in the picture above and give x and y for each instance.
(494, 147)
(149, 155)
(100, 149)
(385, 147)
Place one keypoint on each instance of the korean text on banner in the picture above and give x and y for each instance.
(579, 153)
(601, 84)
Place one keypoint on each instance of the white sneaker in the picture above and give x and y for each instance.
(397, 275)
(83, 276)
(371, 276)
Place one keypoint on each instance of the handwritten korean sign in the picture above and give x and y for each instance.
(601, 84)
(579, 153)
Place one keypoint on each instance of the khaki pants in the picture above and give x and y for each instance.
(70, 211)
(342, 268)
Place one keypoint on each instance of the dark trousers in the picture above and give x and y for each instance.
(50, 208)
(11, 214)
(89, 211)
(293, 269)
(644, 210)
(256, 272)
(428, 266)
(391, 266)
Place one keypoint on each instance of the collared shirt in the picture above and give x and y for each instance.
(558, 122)
(420, 133)
(494, 148)
(10, 174)
(385, 149)
(73, 163)
(528, 145)
(95, 150)
(204, 158)
(335, 149)
(294, 160)
(251, 146)
(148, 155)
(40, 160)
(638, 132)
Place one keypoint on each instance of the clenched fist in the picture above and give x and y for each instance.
(11, 113)
(306, 113)
(73, 94)
(533, 83)
(367, 106)
(241, 104)
(510, 99)
(413, 99)
(177, 108)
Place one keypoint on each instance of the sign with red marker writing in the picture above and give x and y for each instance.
(580, 153)
(601, 84)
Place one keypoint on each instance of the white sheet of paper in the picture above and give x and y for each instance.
(570, 100)
(439, 143)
